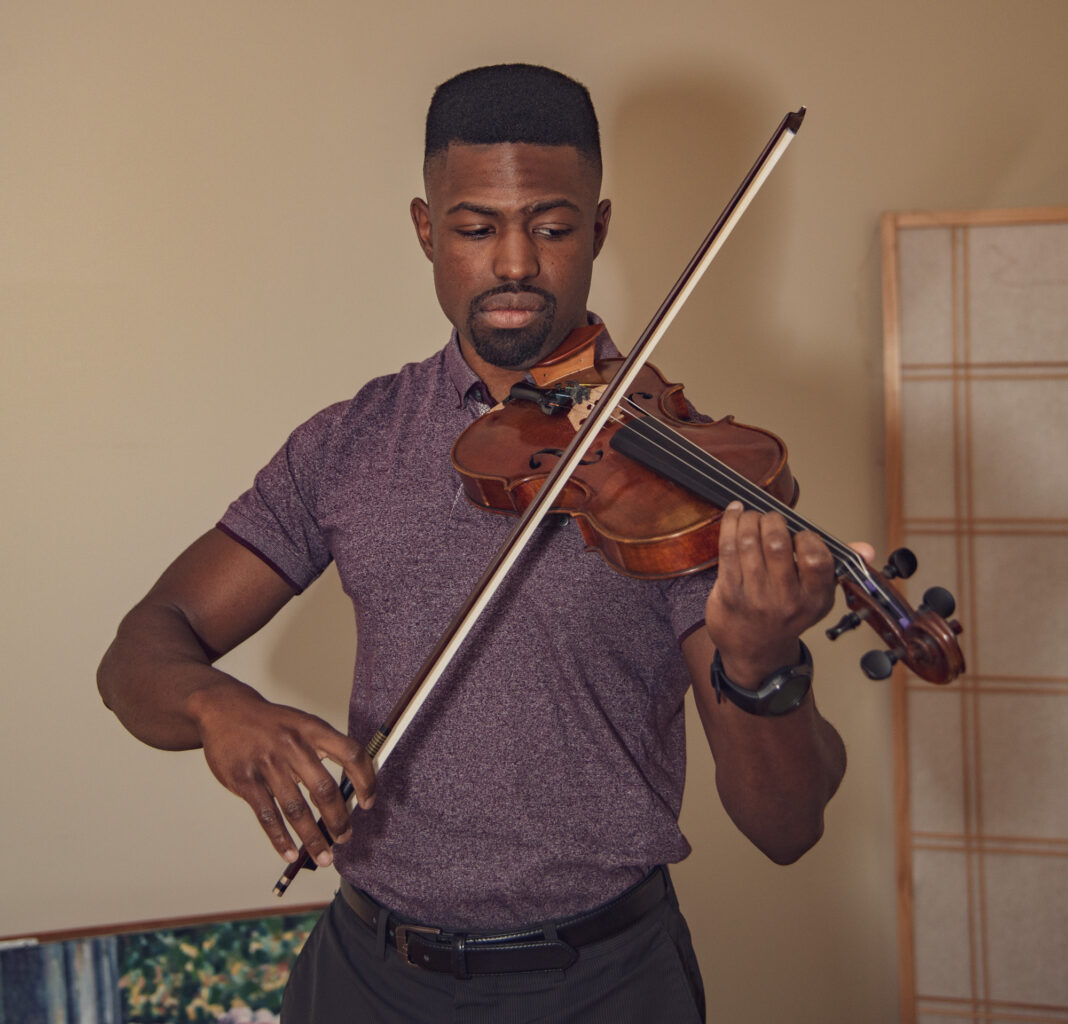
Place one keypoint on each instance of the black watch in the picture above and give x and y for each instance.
(779, 694)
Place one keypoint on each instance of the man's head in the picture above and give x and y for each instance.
(512, 220)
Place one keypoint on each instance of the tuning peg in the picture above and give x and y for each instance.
(847, 622)
(901, 563)
(940, 601)
(879, 664)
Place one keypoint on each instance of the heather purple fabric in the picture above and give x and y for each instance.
(545, 773)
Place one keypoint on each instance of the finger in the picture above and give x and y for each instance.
(864, 549)
(777, 550)
(328, 743)
(359, 769)
(258, 796)
(352, 759)
(300, 817)
(751, 556)
(306, 767)
(729, 574)
(815, 571)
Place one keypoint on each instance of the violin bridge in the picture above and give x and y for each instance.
(583, 406)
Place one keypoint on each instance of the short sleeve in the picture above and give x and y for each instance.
(686, 597)
(276, 518)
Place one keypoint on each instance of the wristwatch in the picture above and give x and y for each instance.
(779, 694)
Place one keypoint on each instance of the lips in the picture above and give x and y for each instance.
(524, 302)
(511, 310)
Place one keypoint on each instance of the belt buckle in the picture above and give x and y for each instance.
(400, 937)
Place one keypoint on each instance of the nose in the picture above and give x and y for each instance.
(515, 257)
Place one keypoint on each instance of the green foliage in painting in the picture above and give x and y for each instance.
(196, 975)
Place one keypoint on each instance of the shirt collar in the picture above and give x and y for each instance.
(464, 379)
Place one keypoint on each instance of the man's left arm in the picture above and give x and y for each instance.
(775, 774)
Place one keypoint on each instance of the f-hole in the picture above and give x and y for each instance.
(591, 457)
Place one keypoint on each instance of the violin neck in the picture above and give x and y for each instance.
(664, 450)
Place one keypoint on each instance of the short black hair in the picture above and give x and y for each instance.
(513, 103)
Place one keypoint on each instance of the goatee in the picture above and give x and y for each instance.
(512, 348)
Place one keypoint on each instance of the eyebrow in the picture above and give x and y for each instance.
(534, 208)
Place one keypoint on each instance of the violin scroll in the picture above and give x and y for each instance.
(924, 639)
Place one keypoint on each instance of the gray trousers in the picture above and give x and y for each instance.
(645, 975)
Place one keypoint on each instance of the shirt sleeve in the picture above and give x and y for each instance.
(686, 596)
(276, 518)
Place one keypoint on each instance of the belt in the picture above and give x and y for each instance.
(549, 947)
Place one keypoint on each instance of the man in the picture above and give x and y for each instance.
(511, 850)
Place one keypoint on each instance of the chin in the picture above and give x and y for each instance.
(512, 349)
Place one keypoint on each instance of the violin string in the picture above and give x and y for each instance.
(679, 449)
(691, 456)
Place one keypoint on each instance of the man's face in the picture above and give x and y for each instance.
(512, 230)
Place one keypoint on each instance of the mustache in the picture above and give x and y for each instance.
(512, 288)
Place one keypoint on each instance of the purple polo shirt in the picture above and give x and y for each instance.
(544, 774)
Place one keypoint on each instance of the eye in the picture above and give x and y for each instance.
(553, 231)
(480, 231)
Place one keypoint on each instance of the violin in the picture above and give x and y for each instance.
(650, 491)
(646, 525)
(652, 430)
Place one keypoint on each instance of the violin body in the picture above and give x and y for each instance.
(644, 524)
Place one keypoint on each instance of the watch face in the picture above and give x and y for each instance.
(782, 692)
(788, 696)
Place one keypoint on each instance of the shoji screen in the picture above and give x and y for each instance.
(976, 325)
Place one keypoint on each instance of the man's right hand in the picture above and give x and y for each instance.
(265, 752)
(158, 678)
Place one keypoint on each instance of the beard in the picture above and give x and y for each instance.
(512, 348)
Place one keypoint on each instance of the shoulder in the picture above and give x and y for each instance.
(379, 404)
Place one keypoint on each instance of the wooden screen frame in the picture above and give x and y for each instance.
(892, 224)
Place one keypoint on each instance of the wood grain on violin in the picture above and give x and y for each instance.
(644, 524)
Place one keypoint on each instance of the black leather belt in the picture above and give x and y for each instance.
(551, 947)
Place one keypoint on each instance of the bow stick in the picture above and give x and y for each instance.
(382, 743)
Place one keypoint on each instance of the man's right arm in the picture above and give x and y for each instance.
(159, 679)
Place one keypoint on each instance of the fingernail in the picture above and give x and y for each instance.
(344, 837)
(735, 506)
(290, 856)
(323, 859)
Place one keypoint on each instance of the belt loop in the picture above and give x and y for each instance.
(382, 931)
(459, 957)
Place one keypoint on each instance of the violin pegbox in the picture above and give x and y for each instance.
(924, 638)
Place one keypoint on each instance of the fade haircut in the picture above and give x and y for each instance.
(513, 103)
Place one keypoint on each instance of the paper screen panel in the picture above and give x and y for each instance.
(976, 335)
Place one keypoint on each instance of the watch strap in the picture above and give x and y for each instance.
(779, 693)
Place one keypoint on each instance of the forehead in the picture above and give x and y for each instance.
(509, 174)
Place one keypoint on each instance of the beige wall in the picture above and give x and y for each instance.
(205, 239)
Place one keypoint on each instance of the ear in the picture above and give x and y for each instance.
(600, 224)
(423, 231)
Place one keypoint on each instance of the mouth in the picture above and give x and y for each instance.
(510, 310)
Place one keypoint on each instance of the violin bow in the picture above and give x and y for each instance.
(387, 736)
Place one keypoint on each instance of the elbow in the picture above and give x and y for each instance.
(788, 847)
(104, 685)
